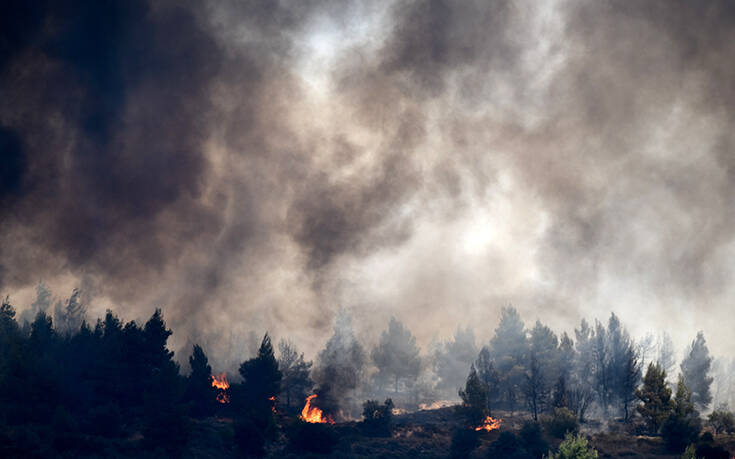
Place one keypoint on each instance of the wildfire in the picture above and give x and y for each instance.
(313, 414)
(490, 424)
(221, 384)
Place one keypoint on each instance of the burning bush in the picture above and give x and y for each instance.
(313, 414)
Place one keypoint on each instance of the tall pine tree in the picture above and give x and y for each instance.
(695, 369)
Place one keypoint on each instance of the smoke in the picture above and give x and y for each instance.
(253, 166)
(339, 369)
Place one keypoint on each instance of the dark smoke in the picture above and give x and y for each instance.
(255, 165)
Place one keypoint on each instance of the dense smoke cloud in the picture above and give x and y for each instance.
(256, 165)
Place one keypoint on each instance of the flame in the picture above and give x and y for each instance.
(435, 405)
(313, 414)
(221, 384)
(273, 407)
(490, 424)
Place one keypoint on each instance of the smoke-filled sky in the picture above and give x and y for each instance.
(255, 165)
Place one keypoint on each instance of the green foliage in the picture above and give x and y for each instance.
(721, 420)
(474, 400)
(574, 447)
(689, 453)
(656, 397)
(561, 422)
(683, 425)
(377, 418)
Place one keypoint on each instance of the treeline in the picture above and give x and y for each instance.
(67, 384)
(598, 373)
(113, 389)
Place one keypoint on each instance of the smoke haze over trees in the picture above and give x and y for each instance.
(398, 159)
(118, 379)
(344, 199)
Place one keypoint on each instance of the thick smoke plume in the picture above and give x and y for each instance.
(252, 166)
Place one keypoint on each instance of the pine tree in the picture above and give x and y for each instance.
(199, 390)
(581, 382)
(535, 387)
(340, 365)
(630, 375)
(261, 377)
(452, 359)
(542, 368)
(695, 369)
(509, 349)
(295, 370)
(396, 356)
(656, 397)
(683, 425)
(474, 399)
(156, 335)
(69, 317)
(488, 375)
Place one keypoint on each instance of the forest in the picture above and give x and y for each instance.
(70, 387)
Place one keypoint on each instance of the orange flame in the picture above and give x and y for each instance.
(313, 414)
(221, 384)
(273, 407)
(490, 424)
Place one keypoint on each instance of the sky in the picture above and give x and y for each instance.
(257, 165)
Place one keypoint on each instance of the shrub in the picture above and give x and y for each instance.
(507, 446)
(249, 438)
(709, 451)
(706, 449)
(683, 424)
(689, 453)
(304, 437)
(532, 440)
(378, 419)
(678, 432)
(722, 420)
(574, 447)
(464, 441)
(561, 422)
